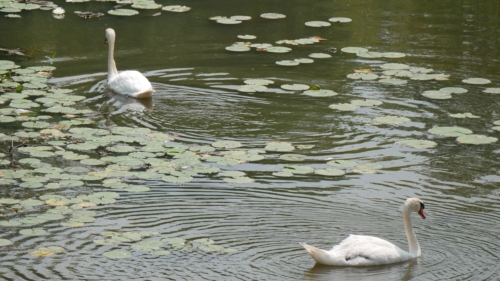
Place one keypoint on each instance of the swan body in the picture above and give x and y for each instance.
(130, 83)
(361, 250)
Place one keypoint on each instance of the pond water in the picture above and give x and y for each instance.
(196, 103)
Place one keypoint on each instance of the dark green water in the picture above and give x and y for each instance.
(195, 99)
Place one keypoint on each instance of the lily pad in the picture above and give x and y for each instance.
(340, 19)
(476, 81)
(476, 139)
(320, 93)
(123, 12)
(5, 242)
(438, 95)
(317, 23)
(228, 21)
(329, 172)
(295, 87)
(463, 115)
(366, 103)
(252, 88)
(294, 169)
(343, 106)
(176, 8)
(226, 144)
(492, 90)
(279, 146)
(393, 81)
(287, 63)
(397, 66)
(117, 254)
(453, 90)
(293, 157)
(353, 50)
(391, 120)
(247, 37)
(450, 131)
(33, 232)
(320, 55)
(272, 16)
(417, 143)
(342, 163)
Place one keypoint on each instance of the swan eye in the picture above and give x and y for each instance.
(422, 205)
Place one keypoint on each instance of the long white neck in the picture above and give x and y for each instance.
(410, 234)
(112, 71)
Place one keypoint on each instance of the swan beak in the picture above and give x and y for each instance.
(105, 41)
(421, 213)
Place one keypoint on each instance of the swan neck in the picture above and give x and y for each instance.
(410, 234)
(112, 71)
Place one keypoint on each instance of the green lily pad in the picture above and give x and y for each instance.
(295, 87)
(5, 242)
(284, 174)
(391, 120)
(304, 60)
(33, 232)
(393, 55)
(492, 90)
(278, 50)
(279, 146)
(329, 172)
(450, 131)
(317, 23)
(417, 143)
(369, 55)
(344, 106)
(320, 55)
(476, 139)
(287, 63)
(117, 254)
(147, 245)
(292, 157)
(239, 180)
(363, 76)
(252, 88)
(463, 115)
(342, 163)
(235, 48)
(397, 66)
(262, 82)
(176, 8)
(123, 12)
(174, 179)
(247, 37)
(272, 16)
(340, 19)
(226, 144)
(353, 50)
(174, 241)
(366, 103)
(320, 93)
(10, 223)
(476, 81)
(294, 169)
(393, 81)
(453, 90)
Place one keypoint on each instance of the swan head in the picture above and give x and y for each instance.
(415, 205)
(110, 35)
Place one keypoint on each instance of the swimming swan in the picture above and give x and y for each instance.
(360, 250)
(130, 83)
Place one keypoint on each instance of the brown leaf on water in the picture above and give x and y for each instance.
(363, 70)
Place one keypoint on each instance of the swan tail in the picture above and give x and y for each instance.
(320, 256)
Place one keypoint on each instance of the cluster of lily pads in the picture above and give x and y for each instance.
(327, 23)
(157, 247)
(13, 8)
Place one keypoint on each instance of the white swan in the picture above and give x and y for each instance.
(360, 250)
(130, 83)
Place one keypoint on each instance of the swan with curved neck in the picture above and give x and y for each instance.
(130, 83)
(360, 250)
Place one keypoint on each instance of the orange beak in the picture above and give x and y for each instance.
(421, 213)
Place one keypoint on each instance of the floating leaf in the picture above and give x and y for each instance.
(117, 254)
(329, 172)
(342, 163)
(298, 169)
(176, 8)
(252, 88)
(287, 63)
(453, 90)
(279, 146)
(123, 12)
(262, 82)
(463, 115)
(476, 139)
(317, 23)
(283, 174)
(492, 90)
(417, 143)
(344, 106)
(247, 37)
(33, 232)
(394, 66)
(320, 55)
(320, 93)
(294, 87)
(5, 242)
(234, 48)
(340, 19)
(272, 16)
(393, 81)
(226, 144)
(450, 131)
(353, 50)
(367, 102)
(228, 21)
(293, 157)
(476, 81)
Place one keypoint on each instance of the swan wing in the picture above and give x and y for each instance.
(368, 250)
(131, 83)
